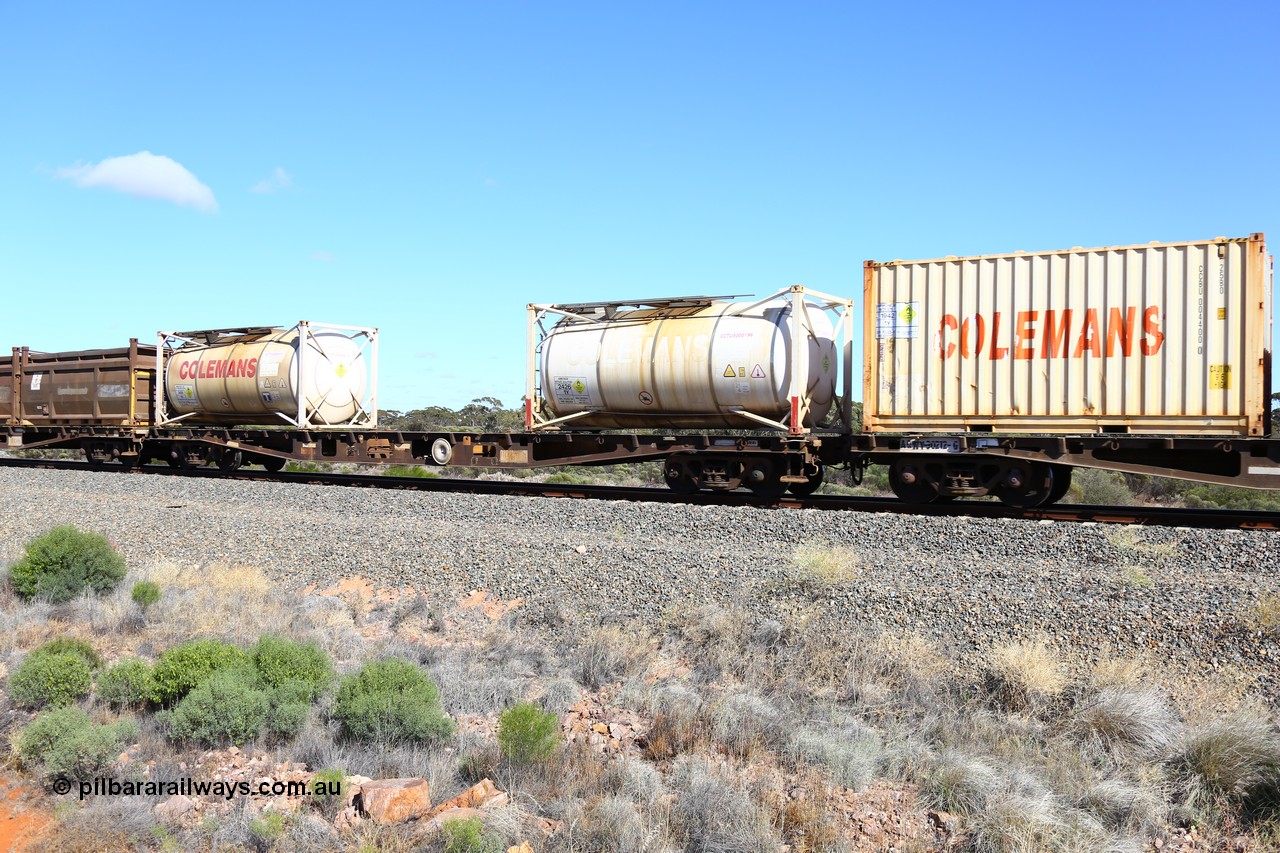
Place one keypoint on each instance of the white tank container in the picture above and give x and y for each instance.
(690, 367)
(256, 378)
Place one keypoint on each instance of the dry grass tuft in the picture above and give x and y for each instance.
(805, 823)
(1024, 674)
(745, 722)
(819, 566)
(712, 812)
(850, 753)
(1265, 614)
(1137, 719)
(960, 784)
(234, 603)
(609, 654)
(614, 825)
(1233, 760)
(1123, 806)
(1012, 822)
(1121, 672)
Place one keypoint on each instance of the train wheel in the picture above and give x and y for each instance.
(1027, 486)
(441, 451)
(803, 490)
(763, 478)
(678, 478)
(909, 483)
(274, 464)
(1061, 484)
(229, 460)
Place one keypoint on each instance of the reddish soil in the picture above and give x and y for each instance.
(22, 820)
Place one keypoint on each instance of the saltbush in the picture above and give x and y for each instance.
(72, 645)
(391, 700)
(468, 835)
(128, 683)
(527, 734)
(304, 667)
(185, 666)
(287, 719)
(227, 706)
(67, 744)
(63, 563)
(57, 678)
(145, 594)
(328, 786)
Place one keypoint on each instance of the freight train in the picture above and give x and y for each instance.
(984, 375)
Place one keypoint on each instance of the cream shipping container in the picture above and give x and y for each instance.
(1156, 338)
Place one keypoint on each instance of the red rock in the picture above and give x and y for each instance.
(439, 819)
(173, 808)
(395, 800)
(481, 794)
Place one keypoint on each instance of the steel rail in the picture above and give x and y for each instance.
(1146, 515)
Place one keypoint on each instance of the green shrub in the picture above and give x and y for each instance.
(225, 706)
(70, 645)
(287, 719)
(281, 662)
(183, 667)
(526, 734)
(55, 679)
(145, 594)
(329, 786)
(65, 562)
(266, 828)
(128, 683)
(467, 835)
(390, 700)
(66, 744)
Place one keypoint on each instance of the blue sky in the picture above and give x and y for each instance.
(429, 169)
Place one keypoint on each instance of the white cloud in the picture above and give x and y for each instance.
(279, 180)
(145, 175)
(323, 257)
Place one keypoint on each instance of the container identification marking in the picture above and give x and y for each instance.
(1219, 377)
(897, 320)
(571, 389)
(36, 379)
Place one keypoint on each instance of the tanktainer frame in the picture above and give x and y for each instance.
(309, 345)
(539, 410)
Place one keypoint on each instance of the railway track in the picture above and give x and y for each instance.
(1145, 515)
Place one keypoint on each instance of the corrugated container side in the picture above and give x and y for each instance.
(111, 386)
(1158, 338)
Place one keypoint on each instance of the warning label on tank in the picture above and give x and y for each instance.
(571, 389)
(897, 320)
(184, 394)
(1219, 377)
(269, 364)
(757, 372)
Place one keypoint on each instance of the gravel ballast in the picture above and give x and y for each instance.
(1185, 598)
